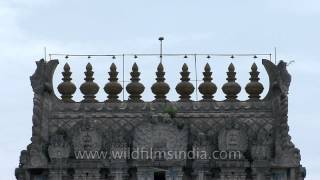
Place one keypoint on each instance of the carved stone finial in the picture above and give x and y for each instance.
(185, 88)
(207, 88)
(160, 88)
(66, 88)
(89, 88)
(254, 88)
(231, 88)
(135, 88)
(113, 87)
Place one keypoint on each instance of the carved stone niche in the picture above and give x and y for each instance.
(232, 138)
(58, 148)
(160, 135)
(86, 137)
(201, 142)
(261, 149)
(37, 158)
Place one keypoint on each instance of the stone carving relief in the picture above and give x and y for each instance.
(232, 138)
(260, 152)
(23, 158)
(87, 138)
(58, 147)
(261, 149)
(161, 135)
(201, 142)
(166, 118)
(37, 158)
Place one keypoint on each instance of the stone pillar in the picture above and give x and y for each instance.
(168, 177)
(119, 174)
(145, 173)
(201, 166)
(174, 174)
(21, 174)
(200, 175)
(301, 173)
(280, 174)
(28, 176)
(179, 175)
(56, 174)
(293, 174)
(261, 173)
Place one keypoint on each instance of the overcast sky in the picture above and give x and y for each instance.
(74, 26)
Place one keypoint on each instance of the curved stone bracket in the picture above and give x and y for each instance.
(279, 78)
(41, 80)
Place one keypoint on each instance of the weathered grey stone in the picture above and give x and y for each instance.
(258, 129)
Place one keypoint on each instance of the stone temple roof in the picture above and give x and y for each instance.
(257, 127)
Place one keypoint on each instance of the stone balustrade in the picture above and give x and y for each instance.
(160, 88)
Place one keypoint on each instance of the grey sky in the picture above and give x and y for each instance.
(75, 26)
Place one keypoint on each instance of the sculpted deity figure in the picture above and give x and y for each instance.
(87, 138)
(233, 139)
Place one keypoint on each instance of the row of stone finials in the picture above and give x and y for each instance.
(160, 88)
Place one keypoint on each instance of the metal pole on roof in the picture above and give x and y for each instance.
(275, 55)
(123, 77)
(45, 53)
(270, 57)
(196, 71)
(161, 39)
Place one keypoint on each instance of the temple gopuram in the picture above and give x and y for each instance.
(256, 128)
